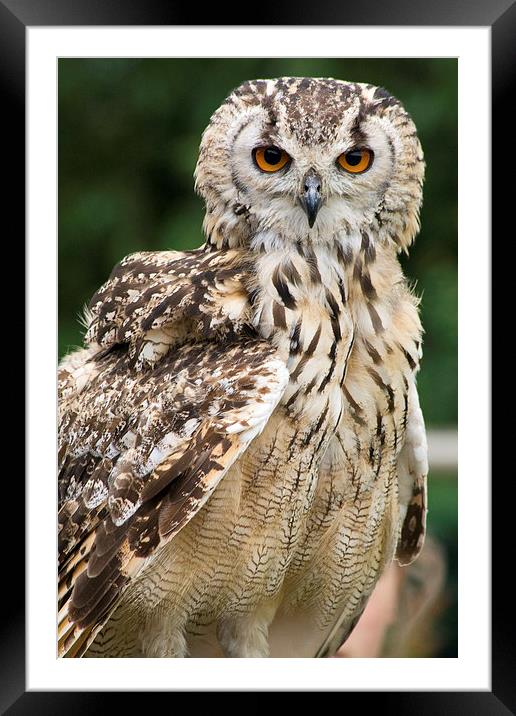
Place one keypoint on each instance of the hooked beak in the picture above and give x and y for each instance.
(311, 198)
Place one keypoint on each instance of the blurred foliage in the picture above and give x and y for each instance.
(443, 526)
(129, 131)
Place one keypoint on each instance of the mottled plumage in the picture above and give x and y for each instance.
(242, 450)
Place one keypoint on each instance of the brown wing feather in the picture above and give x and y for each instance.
(153, 300)
(178, 429)
(145, 435)
(412, 472)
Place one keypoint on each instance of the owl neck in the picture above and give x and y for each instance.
(349, 278)
(313, 302)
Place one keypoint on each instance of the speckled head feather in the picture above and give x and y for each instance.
(314, 121)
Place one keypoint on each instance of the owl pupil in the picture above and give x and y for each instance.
(354, 158)
(272, 155)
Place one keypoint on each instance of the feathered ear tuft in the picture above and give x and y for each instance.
(397, 217)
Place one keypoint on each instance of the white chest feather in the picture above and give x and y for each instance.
(303, 308)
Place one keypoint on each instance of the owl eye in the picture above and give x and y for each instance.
(270, 159)
(356, 161)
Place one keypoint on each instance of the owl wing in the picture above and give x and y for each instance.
(412, 478)
(143, 444)
(157, 299)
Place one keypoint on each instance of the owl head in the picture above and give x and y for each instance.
(292, 159)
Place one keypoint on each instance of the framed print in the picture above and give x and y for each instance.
(116, 100)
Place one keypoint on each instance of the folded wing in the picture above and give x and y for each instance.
(143, 444)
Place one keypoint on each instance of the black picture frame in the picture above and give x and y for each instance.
(15, 17)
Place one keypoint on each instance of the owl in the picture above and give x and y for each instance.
(241, 447)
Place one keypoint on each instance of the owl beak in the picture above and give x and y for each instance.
(311, 198)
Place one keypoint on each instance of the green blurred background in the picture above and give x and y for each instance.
(129, 131)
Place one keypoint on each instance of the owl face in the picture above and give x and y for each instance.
(310, 158)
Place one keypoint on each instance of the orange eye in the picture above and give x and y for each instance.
(356, 161)
(270, 159)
